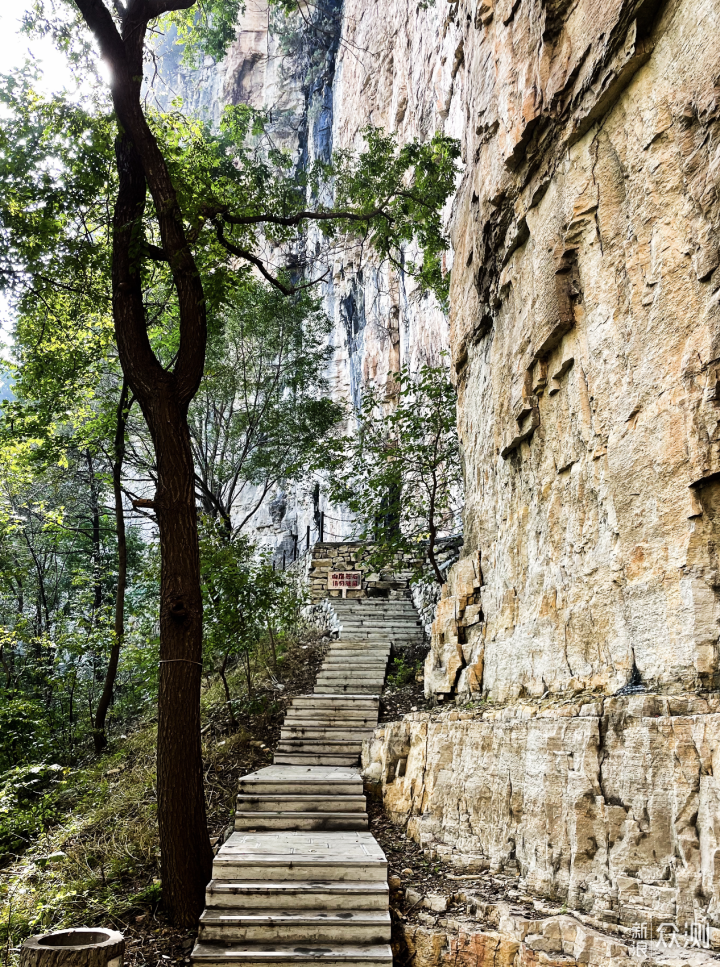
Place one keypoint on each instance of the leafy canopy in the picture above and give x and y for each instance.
(399, 472)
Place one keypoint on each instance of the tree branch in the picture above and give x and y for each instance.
(242, 253)
(156, 8)
(155, 253)
(290, 220)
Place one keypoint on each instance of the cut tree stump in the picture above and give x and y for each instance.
(78, 947)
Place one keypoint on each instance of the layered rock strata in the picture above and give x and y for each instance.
(585, 330)
(585, 339)
(608, 804)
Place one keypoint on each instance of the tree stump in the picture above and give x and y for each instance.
(78, 947)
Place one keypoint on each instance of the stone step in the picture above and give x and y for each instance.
(301, 804)
(295, 926)
(298, 895)
(381, 621)
(374, 604)
(378, 637)
(289, 955)
(322, 759)
(375, 621)
(283, 856)
(394, 637)
(258, 822)
(302, 780)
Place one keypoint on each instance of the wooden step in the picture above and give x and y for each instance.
(303, 780)
(295, 926)
(321, 731)
(301, 804)
(349, 702)
(281, 955)
(263, 821)
(298, 895)
(319, 759)
(331, 856)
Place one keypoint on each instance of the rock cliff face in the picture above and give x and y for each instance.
(584, 331)
(585, 339)
(610, 805)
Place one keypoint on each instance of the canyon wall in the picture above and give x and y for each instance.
(309, 81)
(585, 329)
(585, 339)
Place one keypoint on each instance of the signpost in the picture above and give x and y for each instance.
(344, 581)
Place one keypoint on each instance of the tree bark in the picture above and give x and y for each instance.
(164, 397)
(96, 551)
(186, 854)
(432, 534)
(228, 697)
(108, 692)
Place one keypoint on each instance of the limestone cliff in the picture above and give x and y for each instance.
(585, 339)
(584, 334)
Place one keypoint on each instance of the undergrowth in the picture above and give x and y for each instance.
(80, 845)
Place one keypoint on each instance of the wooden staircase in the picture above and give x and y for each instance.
(301, 880)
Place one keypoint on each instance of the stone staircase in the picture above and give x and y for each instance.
(301, 881)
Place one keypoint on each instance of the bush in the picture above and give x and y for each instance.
(27, 804)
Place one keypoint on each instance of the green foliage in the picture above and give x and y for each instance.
(403, 672)
(24, 730)
(207, 28)
(400, 472)
(397, 196)
(245, 603)
(27, 804)
(263, 411)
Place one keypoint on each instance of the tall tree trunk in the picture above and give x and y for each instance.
(108, 692)
(185, 846)
(164, 397)
(432, 534)
(228, 697)
(186, 854)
